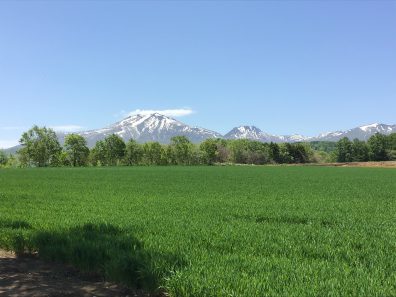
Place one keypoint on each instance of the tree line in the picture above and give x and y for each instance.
(379, 147)
(41, 148)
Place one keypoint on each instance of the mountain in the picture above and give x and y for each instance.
(157, 127)
(361, 133)
(12, 150)
(254, 133)
(149, 127)
(249, 132)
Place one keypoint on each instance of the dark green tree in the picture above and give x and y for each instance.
(274, 153)
(223, 151)
(133, 153)
(98, 154)
(392, 146)
(299, 152)
(76, 150)
(284, 153)
(360, 151)
(379, 150)
(3, 158)
(344, 150)
(392, 141)
(115, 149)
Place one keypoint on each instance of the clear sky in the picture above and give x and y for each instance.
(286, 67)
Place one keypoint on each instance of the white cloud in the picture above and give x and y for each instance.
(181, 112)
(8, 143)
(67, 128)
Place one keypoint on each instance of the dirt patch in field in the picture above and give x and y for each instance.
(32, 277)
(383, 164)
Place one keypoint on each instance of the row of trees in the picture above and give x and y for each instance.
(41, 148)
(379, 147)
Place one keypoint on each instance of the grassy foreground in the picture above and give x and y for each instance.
(211, 231)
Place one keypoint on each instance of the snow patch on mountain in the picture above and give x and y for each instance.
(368, 127)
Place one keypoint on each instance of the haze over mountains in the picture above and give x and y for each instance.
(161, 128)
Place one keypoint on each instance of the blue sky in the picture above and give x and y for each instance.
(286, 67)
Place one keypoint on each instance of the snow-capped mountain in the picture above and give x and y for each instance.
(148, 127)
(254, 133)
(248, 132)
(361, 133)
(293, 138)
(157, 127)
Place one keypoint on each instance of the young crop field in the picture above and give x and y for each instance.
(211, 231)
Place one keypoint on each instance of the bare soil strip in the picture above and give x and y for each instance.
(32, 277)
(382, 164)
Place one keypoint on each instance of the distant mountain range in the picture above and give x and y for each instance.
(361, 133)
(157, 127)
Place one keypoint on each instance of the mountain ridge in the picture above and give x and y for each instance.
(161, 128)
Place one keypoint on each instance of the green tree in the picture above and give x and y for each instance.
(153, 153)
(13, 162)
(360, 151)
(209, 151)
(223, 151)
(379, 150)
(115, 149)
(257, 153)
(98, 155)
(64, 159)
(76, 150)
(133, 153)
(167, 155)
(321, 157)
(392, 141)
(284, 153)
(182, 150)
(299, 152)
(392, 146)
(324, 146)
(40, 147)
(344, 150)
(274, 152)
(239, 151)
(3, 158)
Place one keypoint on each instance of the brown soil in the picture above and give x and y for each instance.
(32, 277)
(383, 164)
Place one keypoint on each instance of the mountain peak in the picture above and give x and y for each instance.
(371, 126)
(156, 115)
(149, 127)
(248, 128)
(361, 133)
(246, 132)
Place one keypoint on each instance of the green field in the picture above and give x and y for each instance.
(212, 231)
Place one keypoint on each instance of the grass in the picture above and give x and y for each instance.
(211, 231)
